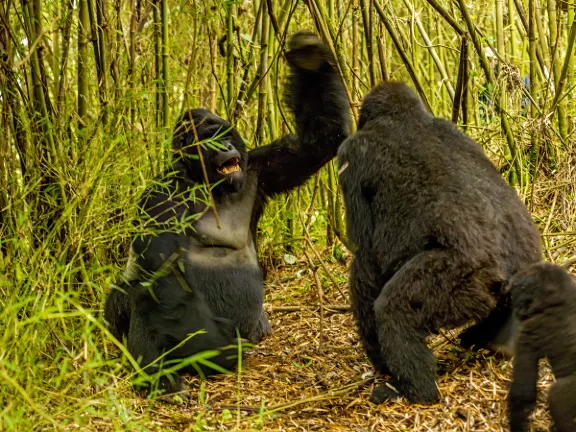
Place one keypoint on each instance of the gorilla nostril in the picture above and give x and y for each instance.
(227, 146)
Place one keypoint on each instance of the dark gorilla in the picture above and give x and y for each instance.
(544, 300)
(438, 234)
(216, 284)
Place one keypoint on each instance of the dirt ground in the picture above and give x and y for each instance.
(311, 374)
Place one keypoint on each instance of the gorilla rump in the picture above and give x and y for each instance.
(438, 233)
(217, 283)
(544, 300)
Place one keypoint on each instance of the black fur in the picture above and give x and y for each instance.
(544, 300)
(437, 233)
(219, 263)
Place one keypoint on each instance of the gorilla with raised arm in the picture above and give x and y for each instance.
(437, 232)
(216, 284)
(544, 300)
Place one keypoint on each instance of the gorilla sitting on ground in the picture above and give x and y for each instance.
(217, 283)
(544, 300)
(438, 233)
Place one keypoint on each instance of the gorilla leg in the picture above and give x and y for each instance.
(523, 391)
(562, 401)
(117, 310)
(361, 283)
(179, 322)
(145, 347)
(406, 355)
(435, 289)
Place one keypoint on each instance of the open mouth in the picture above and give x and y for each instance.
(230, 166)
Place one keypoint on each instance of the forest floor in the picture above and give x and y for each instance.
(311, 374)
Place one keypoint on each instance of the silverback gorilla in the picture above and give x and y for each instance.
(437, 232)
(544, 300)
(216, 283)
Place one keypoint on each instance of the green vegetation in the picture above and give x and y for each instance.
(89, 92)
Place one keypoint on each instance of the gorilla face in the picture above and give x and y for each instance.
(222, 148)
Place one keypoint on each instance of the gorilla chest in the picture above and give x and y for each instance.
(229, 226)
(221, 261)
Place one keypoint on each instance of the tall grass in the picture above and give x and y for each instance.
(89, 91)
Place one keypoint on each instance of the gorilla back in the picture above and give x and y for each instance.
(219, 263)
(438, 233)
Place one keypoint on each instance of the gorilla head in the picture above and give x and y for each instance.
(530, 296)
(390, 99)
(223, 149)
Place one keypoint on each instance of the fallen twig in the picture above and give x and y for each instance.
(327, 308)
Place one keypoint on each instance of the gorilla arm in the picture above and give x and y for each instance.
(317, 97)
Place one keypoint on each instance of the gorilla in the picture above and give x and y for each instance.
(437, 235)
(544, 300)
(198, 268)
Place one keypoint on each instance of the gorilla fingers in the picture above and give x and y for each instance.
(544, 300)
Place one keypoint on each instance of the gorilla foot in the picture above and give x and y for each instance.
(181, 397)
(263, 328)
(169, 389)
(473, 338)
(383, 393)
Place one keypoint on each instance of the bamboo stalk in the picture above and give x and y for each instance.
(132, 67)
(461, 81)
(382, 53)
(403, 56)
(99, 61)
(60, 95)
(83, 26)
(490, 77)
(261, 120)
(570, 17)
(512, 30)
(33, 16)
(230, 54)
(524, 20)
(444, 14)
(101, 21)
(534, 141)
(355, 59)
(243, 90)
(191, 61)
(158, 63)
(365, 8)
(165, 53)
(565, 66)
(432, 50)
(556, 67)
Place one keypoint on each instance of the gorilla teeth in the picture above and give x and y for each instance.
(229, 167)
